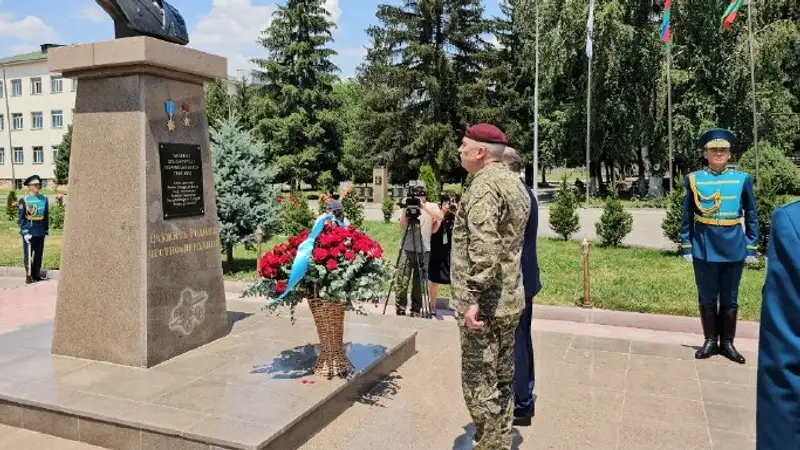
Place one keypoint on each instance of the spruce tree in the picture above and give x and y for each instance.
(246, 195)
(671, 225)
(615, 223)
(564, 218)
(297, 78)
(62, 160)
(218, 102)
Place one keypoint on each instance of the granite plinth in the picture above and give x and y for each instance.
(253, 389)
(138, 283)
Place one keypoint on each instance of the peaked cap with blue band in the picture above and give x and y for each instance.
(716, 138)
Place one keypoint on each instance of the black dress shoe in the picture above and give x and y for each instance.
(522, 421)
(708, 317)
(28, 280)
(728, 333)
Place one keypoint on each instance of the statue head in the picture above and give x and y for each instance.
(154, 18)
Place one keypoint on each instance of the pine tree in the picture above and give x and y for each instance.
(615, 223)
(298, 78)
(564, 212)
(246, 197)
(424, 57)
(62, 160)
(671, 225)
(218, 102)
(431, 186)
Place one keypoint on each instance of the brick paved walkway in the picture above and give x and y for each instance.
(599, 387)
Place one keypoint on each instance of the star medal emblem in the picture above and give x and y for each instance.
(169, 106)
(185, 108)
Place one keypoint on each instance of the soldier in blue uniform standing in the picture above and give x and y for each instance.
(33, 226)
(713, 240)
(778, 404)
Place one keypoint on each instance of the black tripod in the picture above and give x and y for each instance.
(416, 238)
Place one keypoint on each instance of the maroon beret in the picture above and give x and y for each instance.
(484, 132)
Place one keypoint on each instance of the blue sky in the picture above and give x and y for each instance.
(225, 27)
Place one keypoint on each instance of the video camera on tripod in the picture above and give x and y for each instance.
(412, 202)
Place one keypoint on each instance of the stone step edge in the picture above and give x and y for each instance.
(654, 322)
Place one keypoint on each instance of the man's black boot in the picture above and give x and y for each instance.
(708, 317)
(728, 333)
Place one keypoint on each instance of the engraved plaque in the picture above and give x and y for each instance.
(181, 180)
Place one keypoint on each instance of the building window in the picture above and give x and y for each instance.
(56, 84)
(18, 122)
(38, 120)
(19, 155)
(55, 154)
(74, 85)
(2, 122)
(16, 88)
(36, 86)
(2, 156)
(58, 118)
(38, 155)
(2, 89)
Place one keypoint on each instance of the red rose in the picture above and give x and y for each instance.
(319, 254)
(280, 287)
(331, 264)
(350, 255)
(335, 252)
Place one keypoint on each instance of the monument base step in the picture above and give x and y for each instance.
(253, 389)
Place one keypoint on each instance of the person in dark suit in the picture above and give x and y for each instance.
(778, 385)
(524, 377)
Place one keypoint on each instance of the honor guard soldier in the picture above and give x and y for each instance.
(713, 240)
(778, 403)
(33, 226)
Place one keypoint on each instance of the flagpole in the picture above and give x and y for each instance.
(669, 109)
(753, 82)
(589, 54)
(536, 111)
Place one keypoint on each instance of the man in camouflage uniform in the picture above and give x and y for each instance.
(487, 284)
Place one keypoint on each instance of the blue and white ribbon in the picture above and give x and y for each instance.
(303, 256)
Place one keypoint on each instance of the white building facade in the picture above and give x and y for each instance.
(36, 109)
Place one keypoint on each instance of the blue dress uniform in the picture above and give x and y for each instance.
(712, 234)
(778, 386)
(524, 377)
(33, 227)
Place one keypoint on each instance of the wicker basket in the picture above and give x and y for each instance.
(332, 360)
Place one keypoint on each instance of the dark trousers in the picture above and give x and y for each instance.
(524, 377)
(407, 271)
(718, 280)
(35, 249)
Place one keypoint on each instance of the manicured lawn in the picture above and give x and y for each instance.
(625, 279)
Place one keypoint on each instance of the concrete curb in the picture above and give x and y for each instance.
(656, 322)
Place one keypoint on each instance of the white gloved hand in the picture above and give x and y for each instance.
(688, 258)
(751, 260)
(27, 238)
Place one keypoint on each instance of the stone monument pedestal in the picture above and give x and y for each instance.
(141, 274)
(380, 184)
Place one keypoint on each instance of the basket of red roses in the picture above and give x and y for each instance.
(345, 268)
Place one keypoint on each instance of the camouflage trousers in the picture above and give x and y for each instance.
(487, 378)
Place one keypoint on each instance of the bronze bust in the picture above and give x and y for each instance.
(154, 18)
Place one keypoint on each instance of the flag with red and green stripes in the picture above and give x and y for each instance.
(731, 12)
(666, 29)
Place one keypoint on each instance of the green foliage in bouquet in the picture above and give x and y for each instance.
(345, 266)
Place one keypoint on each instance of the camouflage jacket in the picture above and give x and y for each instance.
(487, 243)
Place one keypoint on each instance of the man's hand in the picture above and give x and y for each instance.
(471, 318)
(688, 258)
(27, 238)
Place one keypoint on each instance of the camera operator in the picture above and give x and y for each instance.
(415, 253)
(441, 246)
